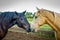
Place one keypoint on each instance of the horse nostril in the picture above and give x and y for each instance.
(28, 30)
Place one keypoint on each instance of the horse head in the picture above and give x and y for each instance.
(38, 20)
(22, 21)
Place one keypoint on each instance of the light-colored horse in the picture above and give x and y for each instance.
(44, 16)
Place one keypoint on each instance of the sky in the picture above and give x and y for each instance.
(29, 5)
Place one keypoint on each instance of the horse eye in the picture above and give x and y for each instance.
(35, 16)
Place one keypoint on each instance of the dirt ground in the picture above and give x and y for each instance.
(20, 34)
(23, 36)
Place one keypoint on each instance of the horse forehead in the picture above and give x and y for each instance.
(38, 14)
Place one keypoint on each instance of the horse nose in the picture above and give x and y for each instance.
(28, 30)
(32, 29)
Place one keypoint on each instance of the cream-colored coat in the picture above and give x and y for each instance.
(50, 17)
(53, 19)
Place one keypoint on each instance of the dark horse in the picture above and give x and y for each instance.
(8, 19)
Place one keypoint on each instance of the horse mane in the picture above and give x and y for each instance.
(53, 17)
(2, 14)
(52, 12)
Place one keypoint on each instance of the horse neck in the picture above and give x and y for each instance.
(12, 24)
(48, 21)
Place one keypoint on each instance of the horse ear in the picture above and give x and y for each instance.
(37, 8)
(24, 12)
(15, 12)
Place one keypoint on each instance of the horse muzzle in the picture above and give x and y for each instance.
(28, 30)
(32, 29)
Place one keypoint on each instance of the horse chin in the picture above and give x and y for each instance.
(24, 26)
(27, 28)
